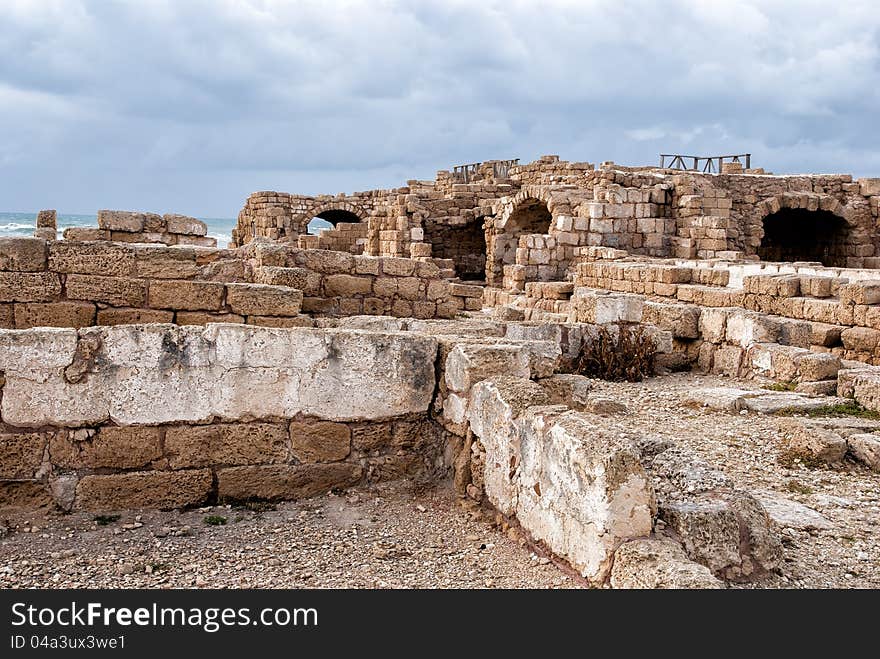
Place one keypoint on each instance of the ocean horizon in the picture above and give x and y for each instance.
(23, 224)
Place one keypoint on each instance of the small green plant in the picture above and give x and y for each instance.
(104, 520)
(780, 386)
(849, 408)
(215, 520)
(798, 488)
(627, 354)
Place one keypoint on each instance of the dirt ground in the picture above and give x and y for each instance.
(397, 536)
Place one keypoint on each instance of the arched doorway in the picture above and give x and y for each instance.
(797, 234)
(330, 218)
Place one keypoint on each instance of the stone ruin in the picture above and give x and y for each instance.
(434, 332)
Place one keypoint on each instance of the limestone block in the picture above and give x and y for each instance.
(681, 319)
(466, 290)
(324, 261)
(159, 262)
(869, 186)
(194, 241)
(791, 514)
(144, 489)
(862, 292)
(116, 291)
(21, 454)
(116, 447)
(727, 360)
(22, 254)
(184, 224)
(746, 328)
(92, 258)
(47, 219)
(398, 267)
(713, 324)
(602, 308)
(348, 285)
(580, 490)
(277, 321)
(304, 280)
(263, 300)
(54, 314)
(866, 449)
(468, 364)
(86, 234)
(186, 295)
(817, 442)
(121, 220)
(275, 482)
(226, 444)
(319, 441)
(817, 366)
(129, 316)
(721, 527)
(24, 494)
(660, 563)
(29, 286)
(363, 265)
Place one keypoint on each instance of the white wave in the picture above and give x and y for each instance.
(16, 226)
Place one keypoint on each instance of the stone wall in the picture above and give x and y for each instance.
(76, 284)
(164, 417)
(649, 211)
(136, 227)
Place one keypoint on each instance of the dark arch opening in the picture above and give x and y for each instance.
(531, 216)
(465, 245)
(796, 234)
(330, 218)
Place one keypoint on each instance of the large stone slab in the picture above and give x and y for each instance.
(660, 563)
(570, 483)
(791, 514)
(154, 374)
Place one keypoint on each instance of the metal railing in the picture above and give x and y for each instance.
(705, 164)
(467, 173)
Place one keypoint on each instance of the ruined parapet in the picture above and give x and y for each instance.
(47, 225)
(138, 227)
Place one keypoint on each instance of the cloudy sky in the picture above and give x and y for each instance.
(190, 105)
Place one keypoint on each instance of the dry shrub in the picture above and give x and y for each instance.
(624, 355)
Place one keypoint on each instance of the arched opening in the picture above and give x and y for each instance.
(531, 216)
(329, 219)
(465, 245)
(796, 234)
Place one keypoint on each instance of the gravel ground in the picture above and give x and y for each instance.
(397, 536)
(385, 536)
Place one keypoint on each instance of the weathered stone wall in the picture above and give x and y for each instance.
(136, 227)
(162, 416)
(76, 284)
(655, 212)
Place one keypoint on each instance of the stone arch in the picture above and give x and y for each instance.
(530, 211)
(333, 212)
(804, 226)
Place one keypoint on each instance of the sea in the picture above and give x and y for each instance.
(22, 224)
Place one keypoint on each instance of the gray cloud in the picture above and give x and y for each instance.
(189, 106)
